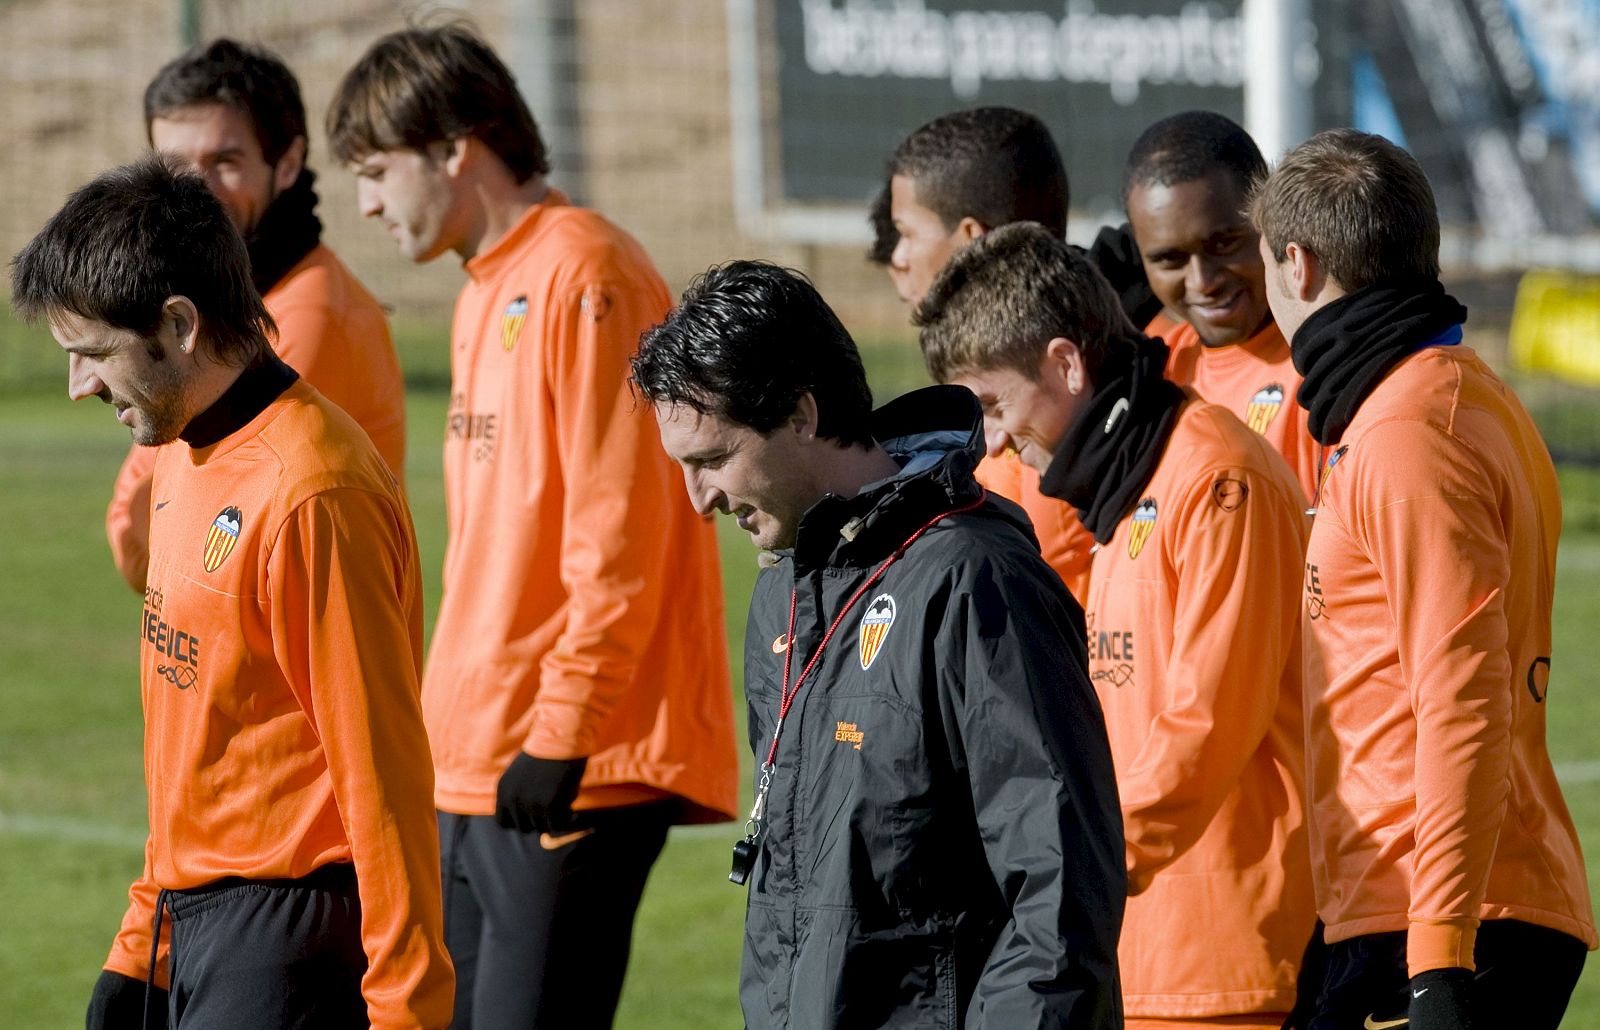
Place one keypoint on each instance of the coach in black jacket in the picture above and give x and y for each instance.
(936, 840)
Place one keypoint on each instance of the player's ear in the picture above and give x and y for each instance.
(803, 423)
(179, 328)
(290, 164)
(1306, 274)
(969, 229)
(458, 153)
(1063, 360)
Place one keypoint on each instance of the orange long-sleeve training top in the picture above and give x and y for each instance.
(582, 611)
(331, 331)
(1428, 589)
(1257, 381)
(1065, 544)
(279, 649)
(1194, 651)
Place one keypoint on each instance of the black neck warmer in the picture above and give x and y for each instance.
(261, 383)
(1346, 348)
(287, 231)
(1110, 451)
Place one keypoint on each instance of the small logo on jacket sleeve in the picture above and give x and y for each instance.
(221, 537)
(875, 626)
(1139, 530)
(594, 303)
(516, 314)
(1230, 494)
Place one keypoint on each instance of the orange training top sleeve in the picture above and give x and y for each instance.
(130, 951)
(128, 516)
(615, 472)
(345, 619)
(1235, 624)
(1442, 554)
(1066, 545)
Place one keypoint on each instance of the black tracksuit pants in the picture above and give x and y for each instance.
(268, 954)
(1525, 976)
(539, 928)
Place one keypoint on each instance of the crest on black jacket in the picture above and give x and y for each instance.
(875, 625)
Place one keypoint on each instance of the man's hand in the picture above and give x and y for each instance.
(1441, 999)
(535, 794)
(118, 1004)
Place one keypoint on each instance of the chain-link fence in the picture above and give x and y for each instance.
(633, 95)
(636, 97)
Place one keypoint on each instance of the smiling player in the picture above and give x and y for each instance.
(1185, 187)
(1191, 617)
(291, 876)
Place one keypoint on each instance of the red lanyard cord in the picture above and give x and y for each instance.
(788, 694)
(744, 852)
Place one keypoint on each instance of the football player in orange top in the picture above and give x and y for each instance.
(1192, 630)
(954, 179)
(1447, 868)
(577, 691)
(232, 114)
(1185, 187)
(291, 874)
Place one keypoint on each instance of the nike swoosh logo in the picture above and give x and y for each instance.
(163, 504)
(557, 841)
(780, 644)
(1371, 1024)
(1117, 410)
(1418, 994)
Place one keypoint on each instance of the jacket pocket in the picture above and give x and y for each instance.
(854, 977)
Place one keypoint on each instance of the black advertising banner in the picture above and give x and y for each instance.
(854, 76)
(1498, 99)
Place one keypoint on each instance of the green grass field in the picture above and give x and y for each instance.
(71, 789)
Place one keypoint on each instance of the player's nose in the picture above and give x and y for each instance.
(705, 497)
(367, 200)
(1202, 276)
(82, 381)
(996, 441)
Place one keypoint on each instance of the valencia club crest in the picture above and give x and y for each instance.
(516, 314)
(875, 626)
(1263, 407)
(221, 537)
(1143, 524)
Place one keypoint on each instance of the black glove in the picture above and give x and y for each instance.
(118, 1004)
(1441, 999)
(1116, 255)
(535, 794)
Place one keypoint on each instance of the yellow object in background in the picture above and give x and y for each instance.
(1555, 325)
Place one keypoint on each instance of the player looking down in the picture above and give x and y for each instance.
(232, 114)
(291, 874)
(576, 692)
(935, 840)
(951, 181)
(1192, 629)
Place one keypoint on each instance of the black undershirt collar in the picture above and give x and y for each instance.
(261, 383)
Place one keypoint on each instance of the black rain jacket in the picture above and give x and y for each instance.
(943, 845)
